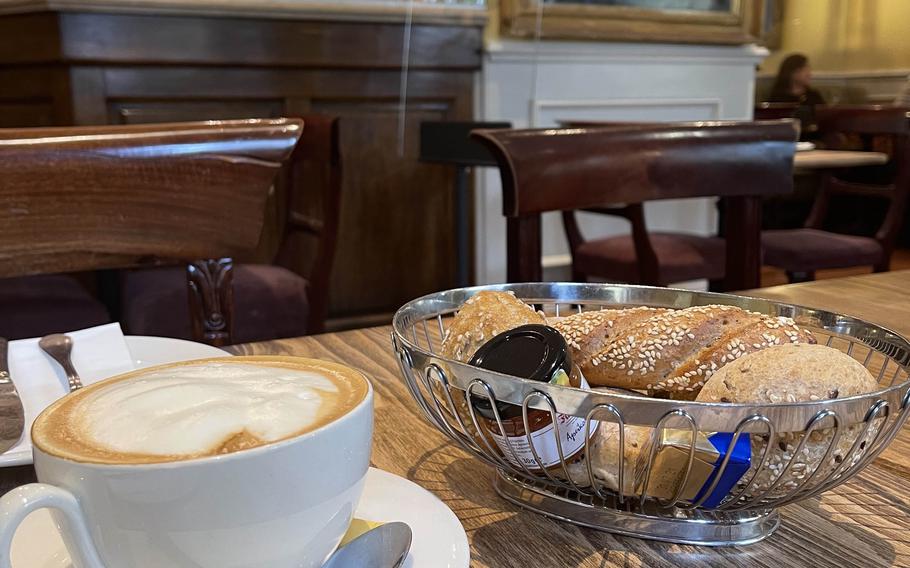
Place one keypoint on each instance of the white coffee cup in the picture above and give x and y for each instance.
(281, 505)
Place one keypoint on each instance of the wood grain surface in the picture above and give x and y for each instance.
(90, 198)
(862, 523)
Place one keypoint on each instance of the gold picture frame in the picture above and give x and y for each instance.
(743, 23)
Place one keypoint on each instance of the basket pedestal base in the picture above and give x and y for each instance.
(690, 527)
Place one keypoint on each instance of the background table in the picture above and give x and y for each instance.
(826, 159)
(865, 522)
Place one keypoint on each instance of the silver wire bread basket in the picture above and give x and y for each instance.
(798, 450)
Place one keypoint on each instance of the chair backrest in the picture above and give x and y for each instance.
(774, 111)
(576, 168)
(804, 113)
(878, 128)
(86, 198)
(870, 120)
(313, 209)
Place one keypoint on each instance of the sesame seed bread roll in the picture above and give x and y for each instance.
(753, 332)
(588, 333)
(669, 352)
(482, 317)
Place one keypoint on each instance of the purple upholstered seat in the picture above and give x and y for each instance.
(811, 249)
(680, 257)
(270, 302)
(32, 306)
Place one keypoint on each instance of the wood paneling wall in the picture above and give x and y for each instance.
(397, 226)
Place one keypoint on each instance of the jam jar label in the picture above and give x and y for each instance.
(571, 436)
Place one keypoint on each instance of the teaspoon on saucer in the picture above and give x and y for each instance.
(386, 546)
(59, 347)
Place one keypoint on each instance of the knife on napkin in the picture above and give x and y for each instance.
(12, 415)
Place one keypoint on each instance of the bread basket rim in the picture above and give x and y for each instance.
(579, 402)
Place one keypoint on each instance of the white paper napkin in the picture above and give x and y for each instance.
(98, 353)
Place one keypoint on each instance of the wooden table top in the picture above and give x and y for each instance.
(865, 522)
(825, 159)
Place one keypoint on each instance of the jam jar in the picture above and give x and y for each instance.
(537, 353)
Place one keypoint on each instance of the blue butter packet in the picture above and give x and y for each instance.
(740, 460)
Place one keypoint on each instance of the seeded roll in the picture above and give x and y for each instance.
(669, 353)
(482, 317)
(589, 333)
(794, 373)
(789, 373)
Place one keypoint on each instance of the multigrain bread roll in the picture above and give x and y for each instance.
(789, 373)
(482, 317)
(669, 352)
(793, 373)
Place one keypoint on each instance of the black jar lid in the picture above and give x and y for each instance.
(535, 352)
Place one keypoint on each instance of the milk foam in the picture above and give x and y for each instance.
(191, 409)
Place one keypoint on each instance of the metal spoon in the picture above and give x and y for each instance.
(12, 415)
(386, 546)
(59, 347)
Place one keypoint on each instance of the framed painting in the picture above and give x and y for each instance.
(669, 21)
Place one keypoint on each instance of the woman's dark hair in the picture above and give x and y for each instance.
(788, 67)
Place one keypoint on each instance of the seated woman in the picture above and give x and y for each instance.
(792, 83)
(792, 86)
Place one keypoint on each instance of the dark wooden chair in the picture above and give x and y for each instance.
(805, 114)
(287, 297)
(92, 198)
(617, 168)
(313, 212)
(774, 111)
(800, 252)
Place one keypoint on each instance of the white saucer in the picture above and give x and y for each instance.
(804, 146)
(146, 352)
(149, 351)
(439, 539)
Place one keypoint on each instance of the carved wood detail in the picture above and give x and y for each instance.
(211, 297)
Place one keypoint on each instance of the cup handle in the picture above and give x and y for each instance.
(18, 503)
